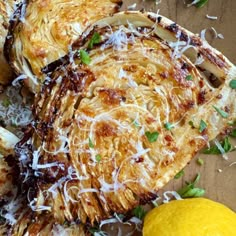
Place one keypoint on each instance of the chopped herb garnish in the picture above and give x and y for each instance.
(193, 192)
(232, 123)
(232, 84)
(98, 157)
(191, 124)
(190, 191)
(152, 137)
(96, 38)
(202, 126)
(91, 143)
(226, 145)
(233, 133)
(201, 3)
(221, 112)
(139, 212)
(6, 102)
(180, 174)
(189, 77)
(168, 126)
(200, 161)
(84, 56)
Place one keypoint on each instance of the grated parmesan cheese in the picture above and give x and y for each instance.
(221, 149)
(173, 194)
(132, 7)
(211, 17)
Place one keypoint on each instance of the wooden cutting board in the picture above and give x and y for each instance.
(217, 176)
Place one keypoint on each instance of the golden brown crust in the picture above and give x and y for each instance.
(8, 172)
(42, 225)
(6, 10)
(38, 41)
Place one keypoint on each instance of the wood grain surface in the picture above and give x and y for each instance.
(219, 186)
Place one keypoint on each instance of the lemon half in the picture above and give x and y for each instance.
(190, 217)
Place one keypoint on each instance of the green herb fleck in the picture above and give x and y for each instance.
(152, 137)
(201, 3)
(232, 123)
(84, 56)
(96, 38)
(200, 161)
(202, 126)
(180, 174)
(191, 124)
(226, 145)
(91, 143)
(139, 212)
(221, 112)
(168, 126)
(6, 102)
(189, 77)
(233, 133)
(232, 84)
(193, 192)
(98, 157)
(190, 191)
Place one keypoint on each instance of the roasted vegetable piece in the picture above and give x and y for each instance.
(99, 144)
(7, 170)
(43, 30)
(6, 10)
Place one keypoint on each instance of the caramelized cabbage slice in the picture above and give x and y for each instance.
(118, 120)
(7, 168)
(29, 224)
(6, 10)
(45, 31)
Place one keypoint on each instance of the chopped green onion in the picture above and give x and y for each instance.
(190, 191)
(200, 161)
(226, 145)
(191, 124)
(193, 192)
(96, 38)
(232, 123)
(232, 84)
(139, 212)
(201, 3)
(189, 77)
(6, 102)
(98, 157)
(233, 133)
(221, 112)
(84, 56)
(152, 137)
(202, 126)
(168, 126)
(180, 174)
(91, 143)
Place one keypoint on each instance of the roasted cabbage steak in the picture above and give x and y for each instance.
(119, 116)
